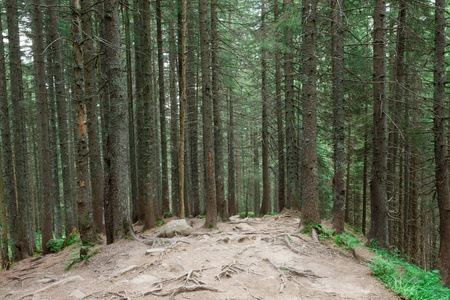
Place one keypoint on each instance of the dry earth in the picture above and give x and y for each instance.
(245, 259)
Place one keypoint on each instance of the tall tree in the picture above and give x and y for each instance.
(44, 138)
(7, 157)
(182, 108)
(162, 111)
(85, 219)
(95, 160)
(117, 140)
(231, 158)
(61, 107)
(440, 145)
(265, 204)
(280, 131)
(19, 104)
(310, 193)
(292, 195)
(337, 47)
(218, 136)
(378, 192)
(174, 133)
(210, 186)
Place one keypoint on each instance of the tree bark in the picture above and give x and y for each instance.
(210, 186)
(310, 193)
(61, 107)
(117, 140)
(162, 112)
(85, 219)
(95, 159)
(440, 146)
(378, 192)
(339, 159)
(292, 200)
(7, 159)
(43, 120)
(266, 203)
(218, 136)
(182, 108)
(280, 130)
(24, 244)
(231, 157)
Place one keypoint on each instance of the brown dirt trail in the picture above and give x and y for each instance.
(257, 258)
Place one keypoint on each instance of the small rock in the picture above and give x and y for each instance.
(363, 254)
(244, 227)
(175, 227)
(77, 294)
(154, 251)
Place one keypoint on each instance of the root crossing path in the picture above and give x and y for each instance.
(259, 258)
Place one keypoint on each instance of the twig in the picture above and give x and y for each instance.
(251, 294)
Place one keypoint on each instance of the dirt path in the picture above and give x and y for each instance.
(244, 259)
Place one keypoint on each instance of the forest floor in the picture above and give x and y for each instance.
(260, 258)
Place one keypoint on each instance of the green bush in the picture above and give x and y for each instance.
(55, 245)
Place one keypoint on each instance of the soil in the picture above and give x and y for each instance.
(260, 258)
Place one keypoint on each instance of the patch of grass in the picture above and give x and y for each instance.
(408, 280)
(347, 240)
(167, 214)
(56, 245)
(83, 256)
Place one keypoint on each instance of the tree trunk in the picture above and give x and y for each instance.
(218, 136)
(44, 137)
(231, 165)
(265, 204)
(117, 140)
(280, 132)
(85, 219)
(292, 200)
(174, 133)
(182, 109)
(162, 112)
(365, 164)
(7, 160)
(414, 196)
(338, 115)
(61, 107)
(310, 193)
(192, 110)
(378, 193)
(24, 244)
(210, 186)
(440, 146)
(95, 159)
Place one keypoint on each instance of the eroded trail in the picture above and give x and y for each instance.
(245, 259)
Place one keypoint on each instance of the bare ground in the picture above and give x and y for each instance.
(258, 258)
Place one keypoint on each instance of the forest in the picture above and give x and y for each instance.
(117, 112)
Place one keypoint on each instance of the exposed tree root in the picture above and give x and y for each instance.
(251, 294)
(286, 272)
(184, 289)
(229, 269)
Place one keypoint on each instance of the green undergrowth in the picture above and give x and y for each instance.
(56, 245)
(408, 280)
(404, 279)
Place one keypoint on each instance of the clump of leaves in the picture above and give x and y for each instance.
(167, 214)
(408, 280)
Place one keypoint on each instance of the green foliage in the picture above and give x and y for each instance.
(167, 214)
(408, 280)
(347, 240)
(249, 215)
(160, 222)
(56, 245)
(84, 255)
